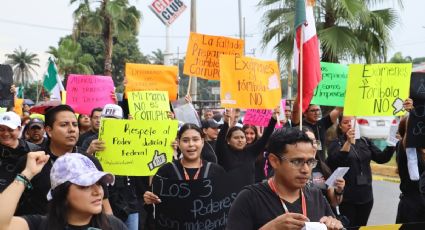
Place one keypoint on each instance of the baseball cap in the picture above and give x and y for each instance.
(10, 119)
(77, 169)
(112, 110)
(210, 123)
(36, 122)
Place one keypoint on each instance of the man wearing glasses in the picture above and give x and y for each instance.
(284, 201)
(314, 120)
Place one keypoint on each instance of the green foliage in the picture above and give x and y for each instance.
(347, 29)
(398, 58)
(23, 63)
(419, 60)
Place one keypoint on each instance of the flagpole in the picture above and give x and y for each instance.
(301, 60)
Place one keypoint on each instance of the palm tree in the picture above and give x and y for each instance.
(112, 19)
(23, 63)
(70, 58)
(157, 57)
(347, 29)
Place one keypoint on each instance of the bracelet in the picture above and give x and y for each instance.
(338, 193)
(22, 178)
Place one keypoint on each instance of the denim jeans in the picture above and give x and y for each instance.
(132, 221)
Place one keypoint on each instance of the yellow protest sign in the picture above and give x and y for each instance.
(63, 96)
(151, 77)
(3, 110)
(249, 83)
(149, 105)
(136, 148)
(377, 89)
(18, 106)
(203, 51)
(387, 227)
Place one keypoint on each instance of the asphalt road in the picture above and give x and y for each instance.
(386, 201)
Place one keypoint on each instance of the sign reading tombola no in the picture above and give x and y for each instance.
(331, 89)
(377, 89)
(249, 83)
(136, 148)
(149, 105)
(203, 52)
(152, 77)
(86, 92)
(167, 11)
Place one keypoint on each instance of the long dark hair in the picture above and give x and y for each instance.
(326, 171)
(254, 128)
(58, 207)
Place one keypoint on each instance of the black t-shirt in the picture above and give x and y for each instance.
(319, 130)
(208, 152)
(167, 171)
(257, 204)
(83, 137)
(9, 159)
(34, 201)
(38, 222)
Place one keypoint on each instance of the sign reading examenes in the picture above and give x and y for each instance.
(167, 10)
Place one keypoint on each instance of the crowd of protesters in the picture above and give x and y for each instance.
(51, 179)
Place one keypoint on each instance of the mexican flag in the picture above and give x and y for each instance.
(52, 82)
(310, 59)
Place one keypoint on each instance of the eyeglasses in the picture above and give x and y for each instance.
(299, 162)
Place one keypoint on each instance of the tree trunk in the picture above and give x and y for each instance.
(107, 39)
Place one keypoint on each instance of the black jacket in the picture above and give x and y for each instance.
(358, 159)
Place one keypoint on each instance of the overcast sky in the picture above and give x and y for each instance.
(36, 25)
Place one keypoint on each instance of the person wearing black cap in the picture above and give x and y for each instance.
(36, 132)
(210, 128)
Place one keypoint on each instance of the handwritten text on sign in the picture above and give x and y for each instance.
(203, 51)
(377, 89)
(260, 117)
(331, 89)
(416, 123)
(86, 92)
(149, 105)
(136, 148)
(151, 77)
(249, 83)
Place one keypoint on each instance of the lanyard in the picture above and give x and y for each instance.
(186, 176)
(274, 189)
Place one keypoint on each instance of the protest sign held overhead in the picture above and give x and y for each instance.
(152, 77)
(416, 124)
(136, 148)
(203, 52)
(331, 89)
(149, 105)
(249, 83)
(259, 117)
(377, 89)
(86, 92)
(167, 11)
(6, 81)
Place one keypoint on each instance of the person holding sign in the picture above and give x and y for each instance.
(75, 198)
(190, 167)
(284, 201)
(345, 151)
(232, 150)
(314, 120)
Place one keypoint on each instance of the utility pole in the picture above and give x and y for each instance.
(194, 84)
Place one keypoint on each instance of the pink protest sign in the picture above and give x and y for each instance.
(259, 117)
(86, 92)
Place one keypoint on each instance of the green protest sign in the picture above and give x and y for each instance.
(136, 148)
(331, 89)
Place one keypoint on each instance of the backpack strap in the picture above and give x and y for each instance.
(179, 176)
(207, 170)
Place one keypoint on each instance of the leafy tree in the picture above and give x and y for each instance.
(71, 59)
(112, 19)
(347, 29)
(419, 60)
(398, 58)
(23, 63)
(157, 57)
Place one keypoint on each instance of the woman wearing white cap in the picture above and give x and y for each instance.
(75, 196)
